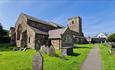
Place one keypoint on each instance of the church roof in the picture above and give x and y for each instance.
(56, 33)
(42, 21)
(39, 31)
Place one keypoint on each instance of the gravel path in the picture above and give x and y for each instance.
(93, 60)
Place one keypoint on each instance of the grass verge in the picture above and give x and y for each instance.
(22, 60)
(108, 60)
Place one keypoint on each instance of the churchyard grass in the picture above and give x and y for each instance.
(108, 60)
(22, 60)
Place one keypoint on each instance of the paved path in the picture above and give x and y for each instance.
(93, 61)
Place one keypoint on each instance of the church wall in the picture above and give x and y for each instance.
(56, 43)
(30, 38)
(67, 39)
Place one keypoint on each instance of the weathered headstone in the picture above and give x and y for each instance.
(37, 45)
(37, 62)
(52, 51)
(44, 49)
(107, 44)
(113, 45)
(66, 51)
(112, 51)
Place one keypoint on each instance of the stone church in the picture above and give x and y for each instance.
(32, 32)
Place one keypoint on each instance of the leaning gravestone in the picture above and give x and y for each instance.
(52, 51)
(37, 62)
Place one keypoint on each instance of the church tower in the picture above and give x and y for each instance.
(75, 24)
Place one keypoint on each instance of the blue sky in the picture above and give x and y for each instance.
(97, 15)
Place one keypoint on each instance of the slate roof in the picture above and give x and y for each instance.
(56, 33)
(42, 21)
(39, 31)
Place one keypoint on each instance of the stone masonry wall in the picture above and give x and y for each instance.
(56, 43)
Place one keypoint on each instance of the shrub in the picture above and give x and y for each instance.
(4, 40)
(111, 38)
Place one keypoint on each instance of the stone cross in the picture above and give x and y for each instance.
(37, 62)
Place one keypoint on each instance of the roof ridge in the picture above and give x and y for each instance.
(40, 20)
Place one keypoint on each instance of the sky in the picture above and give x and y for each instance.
(97, 15)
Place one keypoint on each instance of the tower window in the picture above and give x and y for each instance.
(72, 22)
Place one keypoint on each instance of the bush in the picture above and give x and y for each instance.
(4, 40)
(111, 38)
(3, 32)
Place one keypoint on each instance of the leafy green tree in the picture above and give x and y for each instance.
(3, 32)
(111, 38)
(1, 28)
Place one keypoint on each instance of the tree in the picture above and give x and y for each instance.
(1, 28)
(2, 31)
(4, 38)
(111, 38)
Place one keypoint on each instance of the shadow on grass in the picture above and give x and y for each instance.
(75, 54)
(61, 57)
(64, 57)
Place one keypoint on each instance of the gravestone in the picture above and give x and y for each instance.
(37, 45)
(107, 44)
(113, 45)
(52, 51)
(67, 51)
(112, 50)
(37, 62)
(44, 49)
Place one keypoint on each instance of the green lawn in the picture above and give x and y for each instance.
(22, 60)
(108, 60)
